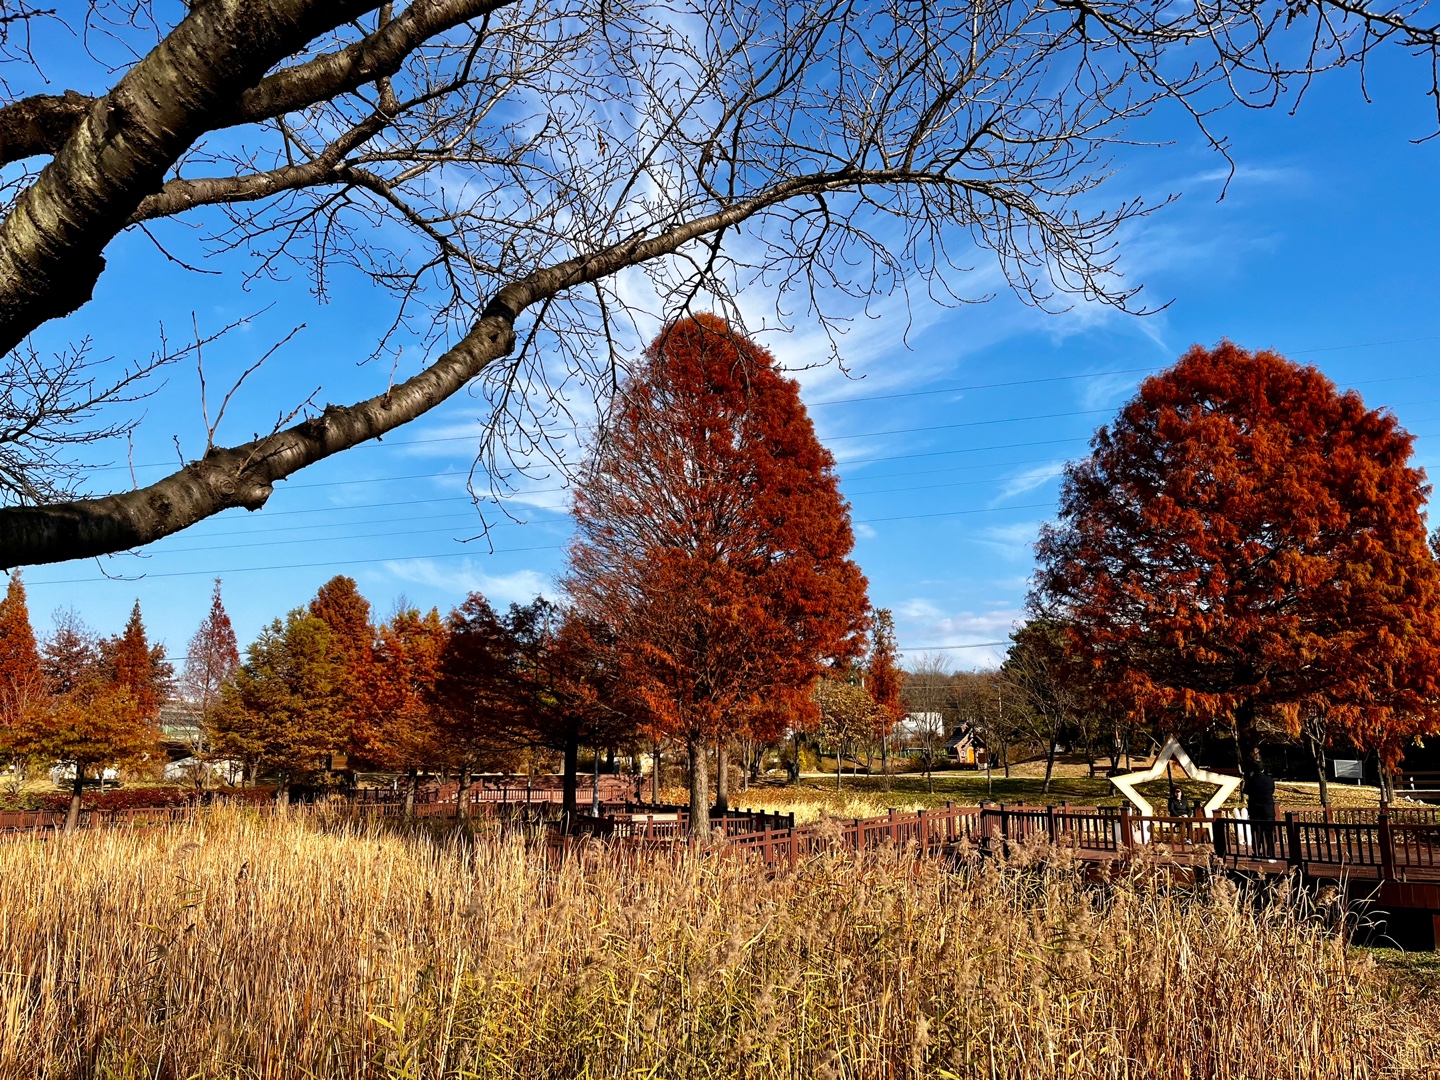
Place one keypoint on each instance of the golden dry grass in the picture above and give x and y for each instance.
(236, 946)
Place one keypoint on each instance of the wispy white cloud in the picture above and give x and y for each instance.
(1244, 175)
(1029, 480)
(518, 587)
(1017, 538)
(1106, 390)
(963, 636)
(865, 532)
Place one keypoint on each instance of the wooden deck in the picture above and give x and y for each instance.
(1386, 859)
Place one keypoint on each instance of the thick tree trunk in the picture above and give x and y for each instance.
(462, 794)
(569, 781)
(655, 776)
(1005, 758)
(1049, 766)
(412, 783)
(722, 777)
(699, 789)
(77, 789)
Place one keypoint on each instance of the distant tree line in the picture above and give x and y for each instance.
(710, 606)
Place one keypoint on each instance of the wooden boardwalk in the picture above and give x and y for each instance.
(1387, 859)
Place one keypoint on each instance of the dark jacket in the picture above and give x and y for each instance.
(1179, 807)
(1260, 795)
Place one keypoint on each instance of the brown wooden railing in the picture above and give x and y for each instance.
(1381, 847)
(1395, 844)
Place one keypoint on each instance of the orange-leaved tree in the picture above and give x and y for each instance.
(22, 684)
(712, 540)
(79, 712)
(398, 727)
(1245, 543)
(340, 606)
(536, 677)
(70, 654)
(138, 667)
(96, 725)
(885, 681)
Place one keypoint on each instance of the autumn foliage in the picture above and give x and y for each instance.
(714, 544)
(213, 656)
(1245, 544)
(21, 681)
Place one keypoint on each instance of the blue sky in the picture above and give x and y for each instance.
(1323, 248)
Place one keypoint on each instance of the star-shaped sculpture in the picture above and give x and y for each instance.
(1225, 785)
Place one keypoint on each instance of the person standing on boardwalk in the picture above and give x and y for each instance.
(1260, 801)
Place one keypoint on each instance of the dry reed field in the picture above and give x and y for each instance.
(241, 947)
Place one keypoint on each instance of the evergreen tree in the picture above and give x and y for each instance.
(285, 711)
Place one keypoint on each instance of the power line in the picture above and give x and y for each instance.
(859, 398)
(540, 491)
(289, 566)
(264, 531)
(498, 551)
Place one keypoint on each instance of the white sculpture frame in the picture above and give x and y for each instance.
(1172, 749)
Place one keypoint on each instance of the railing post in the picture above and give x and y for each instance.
(893, 838)
(1050, 824)
(923, 826)
(1294, 857)
(1387, 844)
(1127, 829)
